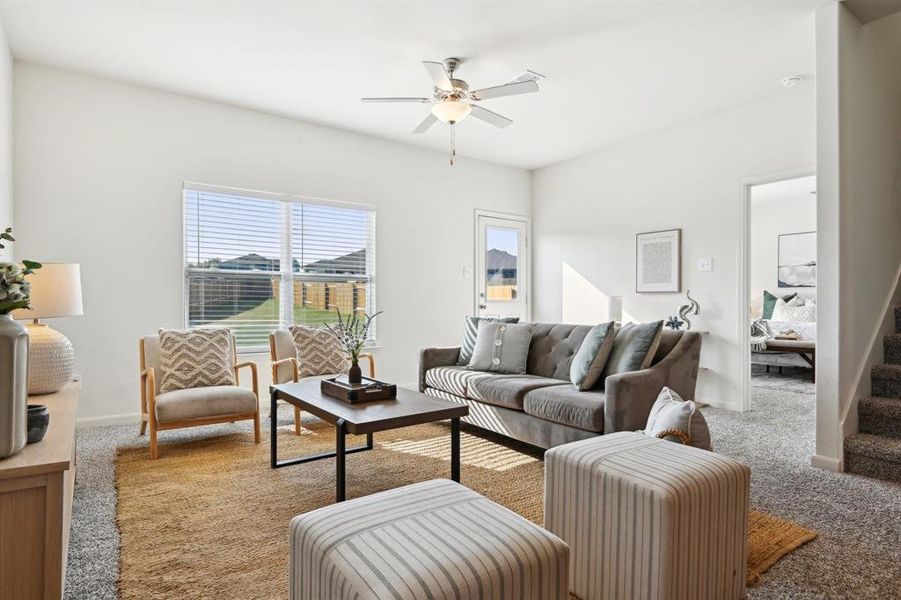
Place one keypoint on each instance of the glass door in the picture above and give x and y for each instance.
(502, 266)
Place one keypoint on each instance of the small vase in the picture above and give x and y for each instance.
(355, 374)
(13, 386)
(38, 421)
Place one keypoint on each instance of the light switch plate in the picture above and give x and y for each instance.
(705, 265)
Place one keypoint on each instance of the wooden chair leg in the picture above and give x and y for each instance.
(143, 425)
(296, 421)
(256, 427)
(154, 452)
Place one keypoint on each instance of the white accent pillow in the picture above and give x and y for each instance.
(796, 310)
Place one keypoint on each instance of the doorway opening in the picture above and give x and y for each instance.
(779, 287)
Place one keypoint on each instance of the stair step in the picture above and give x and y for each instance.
(886, 380)
(879, 416)
(873, 456)
(891, 344)
(898, 319)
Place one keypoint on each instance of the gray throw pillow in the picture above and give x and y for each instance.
(634, 347)
(501, 347)
(678, 418)
(589, 362)
(471, 329)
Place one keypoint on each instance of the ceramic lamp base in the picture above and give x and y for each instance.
(51, 359)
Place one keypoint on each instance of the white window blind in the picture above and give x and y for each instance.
(255, 263)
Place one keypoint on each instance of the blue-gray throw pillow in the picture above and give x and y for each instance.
(634, 347)
(589, 362)
(471, 330)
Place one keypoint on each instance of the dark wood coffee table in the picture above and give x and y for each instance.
(409, 408)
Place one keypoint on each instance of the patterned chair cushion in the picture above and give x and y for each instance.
(436, 539)
(195, 358)
(318, 352)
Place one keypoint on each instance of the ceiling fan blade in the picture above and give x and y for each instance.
(529, 75)
(509, 89)
(438, 74)
(395, 100)
(426, 124)
(490, 117)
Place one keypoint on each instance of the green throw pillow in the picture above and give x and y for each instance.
(589, 362)
(634, 347)
(769, 303)
(471, 330)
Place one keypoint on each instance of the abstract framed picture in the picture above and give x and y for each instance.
(797, 260)
(658, 261)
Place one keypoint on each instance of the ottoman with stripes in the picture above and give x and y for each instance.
(648, 519)
(436, 539)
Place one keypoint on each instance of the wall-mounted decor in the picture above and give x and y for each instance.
(658, 261)
(798, 260)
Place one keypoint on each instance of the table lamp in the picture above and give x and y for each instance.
(55, 292)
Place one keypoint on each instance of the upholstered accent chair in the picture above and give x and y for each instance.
(193, 406)
(290, 362)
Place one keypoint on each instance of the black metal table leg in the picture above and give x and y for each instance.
(340, 434)
(455, 449)
(273, 424)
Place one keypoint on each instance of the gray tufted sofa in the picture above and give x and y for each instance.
(542, 407)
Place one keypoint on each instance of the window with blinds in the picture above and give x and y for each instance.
(259, 262)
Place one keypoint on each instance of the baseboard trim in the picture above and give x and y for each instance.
(122, 419)
(827, 462)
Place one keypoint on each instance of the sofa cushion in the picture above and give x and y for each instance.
(471, 330)
(501, 347)
(589, 362)
(553, 347)
(453, 380)
(196, 403)
(567, 405)
(670, 412)
(634, 348)
(508, 390)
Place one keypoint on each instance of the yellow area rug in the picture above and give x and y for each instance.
(209, 518)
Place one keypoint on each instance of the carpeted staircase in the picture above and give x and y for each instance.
(876, 450)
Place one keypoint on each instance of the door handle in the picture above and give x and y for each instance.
(483, 306)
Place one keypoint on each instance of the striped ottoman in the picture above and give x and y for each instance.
(647, 518)
(436, 539)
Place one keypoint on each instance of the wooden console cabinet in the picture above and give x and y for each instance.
(36, 488)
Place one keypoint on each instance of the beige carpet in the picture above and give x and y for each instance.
(210, 518)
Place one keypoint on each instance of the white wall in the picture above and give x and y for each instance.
(587, 211)
(99, 172)
(776, 211)
(859, 197)
(6, 138)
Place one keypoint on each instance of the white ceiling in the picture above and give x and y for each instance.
(799, 189)
(616, 70)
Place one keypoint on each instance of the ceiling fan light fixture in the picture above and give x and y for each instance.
(451, 111)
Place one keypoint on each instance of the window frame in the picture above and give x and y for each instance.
(287, 277)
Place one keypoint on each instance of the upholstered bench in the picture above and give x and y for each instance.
(436, 539)
(648, 519)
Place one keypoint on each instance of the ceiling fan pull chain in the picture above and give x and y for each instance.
(453, 145)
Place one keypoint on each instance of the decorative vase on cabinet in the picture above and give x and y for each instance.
(13, 386)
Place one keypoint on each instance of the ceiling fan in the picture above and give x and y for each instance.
(452, 101)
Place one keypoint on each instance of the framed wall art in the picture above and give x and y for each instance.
(658, 261)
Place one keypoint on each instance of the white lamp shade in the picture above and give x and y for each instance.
(451, 111)
(55, 292)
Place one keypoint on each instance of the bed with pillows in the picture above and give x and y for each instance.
(787, 321)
